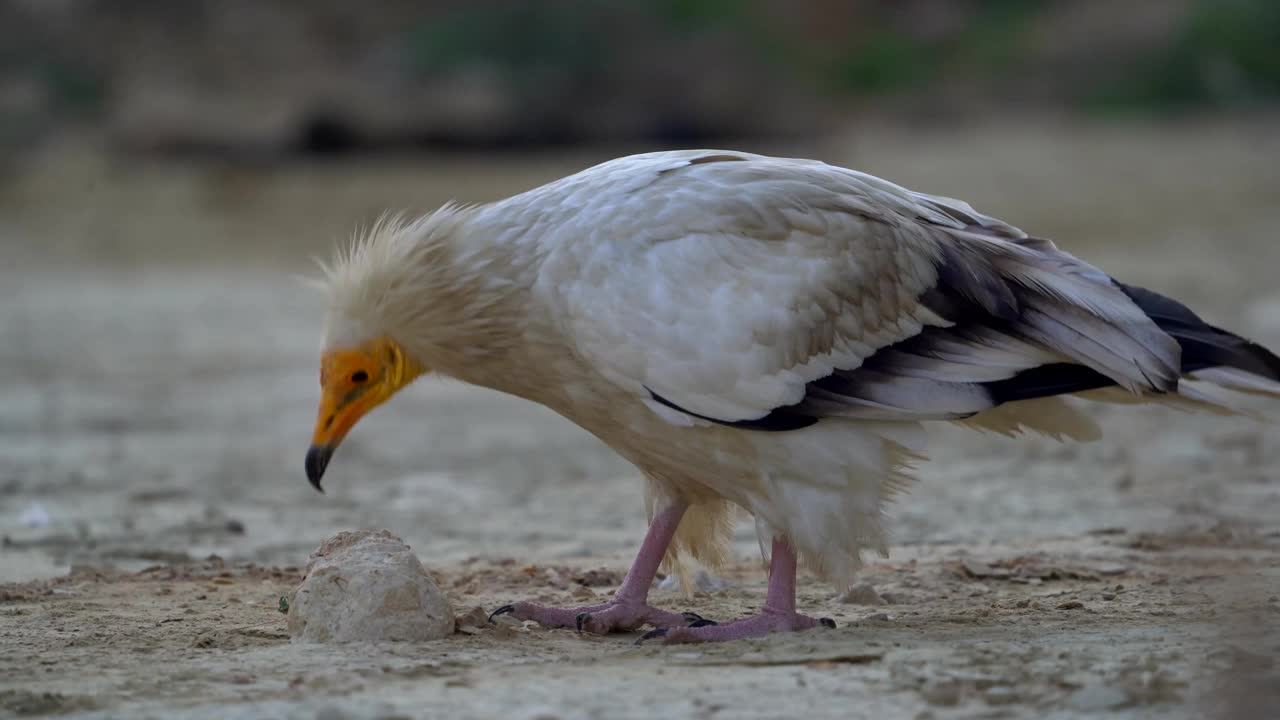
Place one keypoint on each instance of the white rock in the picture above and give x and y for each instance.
(367, 586)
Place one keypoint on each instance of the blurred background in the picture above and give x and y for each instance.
(264, 80)
(169, 166)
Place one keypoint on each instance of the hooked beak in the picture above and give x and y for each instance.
(317, 460)
(352, 383)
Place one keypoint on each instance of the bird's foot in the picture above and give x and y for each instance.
(614, 616)
(768, 621)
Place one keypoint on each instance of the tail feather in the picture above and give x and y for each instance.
(1221, 374)
(1203, 345)
(1217, 365)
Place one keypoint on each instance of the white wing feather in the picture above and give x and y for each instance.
(742, 279)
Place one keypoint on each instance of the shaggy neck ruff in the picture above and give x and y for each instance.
(448, 287)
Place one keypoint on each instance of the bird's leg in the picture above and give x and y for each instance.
(778, 615)
(629, 608)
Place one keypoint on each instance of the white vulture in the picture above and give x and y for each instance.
(757, 332)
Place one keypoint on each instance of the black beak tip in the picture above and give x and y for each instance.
(317, 460)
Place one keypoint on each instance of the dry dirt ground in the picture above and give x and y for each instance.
(159, 374)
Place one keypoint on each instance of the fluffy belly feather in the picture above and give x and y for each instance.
(823, 487)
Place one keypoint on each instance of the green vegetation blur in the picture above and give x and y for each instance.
(164, 74)
(1217, 53)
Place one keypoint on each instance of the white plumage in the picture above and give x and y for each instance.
(770, 333)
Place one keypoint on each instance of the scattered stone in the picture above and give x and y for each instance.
(601, 577)
(1071, 605)
(979, 569)
(472, 622)
(895, 598)
(367, 586)
(861, 594)
(509, 628)
(555, 579)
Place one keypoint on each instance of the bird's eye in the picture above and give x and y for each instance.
(359, 376)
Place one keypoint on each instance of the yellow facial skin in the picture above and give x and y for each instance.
(352, 382)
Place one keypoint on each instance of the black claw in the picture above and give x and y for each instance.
(501, 611)
(581, 619)
(660, 632)
(696, 620)
(827, 622)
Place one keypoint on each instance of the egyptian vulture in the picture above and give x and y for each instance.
(756, 332)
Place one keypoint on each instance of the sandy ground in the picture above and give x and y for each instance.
(159, 387)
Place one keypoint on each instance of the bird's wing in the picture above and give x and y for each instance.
(769, 293)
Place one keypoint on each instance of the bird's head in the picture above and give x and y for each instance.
(353, 381)
(397, 309)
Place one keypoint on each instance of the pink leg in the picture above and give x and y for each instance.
(778, 614)
(629, 608)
